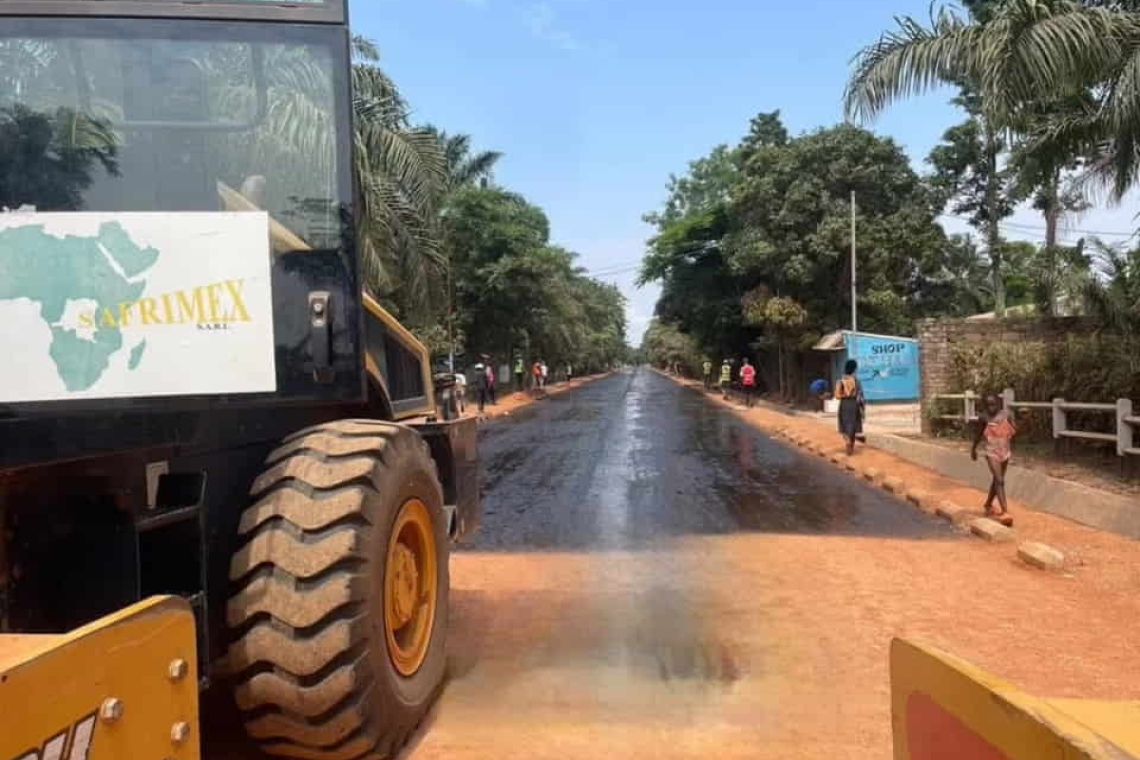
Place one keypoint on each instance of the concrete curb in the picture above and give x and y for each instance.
(919, 498)
(991, 530)
(956, 515)
(1034, 554)
(1033, 488)
(1041, 556)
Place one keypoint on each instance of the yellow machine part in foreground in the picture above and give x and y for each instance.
(943, 708)
(124, 687)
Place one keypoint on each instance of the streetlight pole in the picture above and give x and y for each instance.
(854, 305)
(450, 314)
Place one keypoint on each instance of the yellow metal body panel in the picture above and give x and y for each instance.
(943, 708)
(56, 691)
(284, 240)
(1118, 720)
(410, 342)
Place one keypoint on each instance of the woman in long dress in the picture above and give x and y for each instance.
(849, 391)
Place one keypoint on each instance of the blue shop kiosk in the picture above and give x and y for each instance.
(888, 364)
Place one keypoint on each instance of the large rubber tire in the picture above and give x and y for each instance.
(315, 679)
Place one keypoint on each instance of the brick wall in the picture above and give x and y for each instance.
(936, 336)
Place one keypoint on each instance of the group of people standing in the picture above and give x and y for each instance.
(482, 380)
(747, 375)
(539, 373)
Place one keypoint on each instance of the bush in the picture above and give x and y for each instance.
(1098, 368)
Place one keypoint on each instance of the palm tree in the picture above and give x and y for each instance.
(1034, 65)
(913, 59)
(1027, 53)
(1113, 293)
(401, 170)
(464, 168)
(402, 176)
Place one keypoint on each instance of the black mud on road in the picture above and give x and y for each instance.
(634, 458)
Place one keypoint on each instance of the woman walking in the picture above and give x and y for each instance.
(849, 391)
(480, 382)
(998, 430)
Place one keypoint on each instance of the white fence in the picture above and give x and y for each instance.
(1126, 437)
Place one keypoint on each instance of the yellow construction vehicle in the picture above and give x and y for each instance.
(223, 467)
(943, 708)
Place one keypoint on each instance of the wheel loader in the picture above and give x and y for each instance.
(223, 473)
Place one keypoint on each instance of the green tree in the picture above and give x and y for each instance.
(914, 58)
(969, 178)
(665, 345)
(464, 166)
(705, 186)
(959, 285)
(769, 267)
(783, 319)
(1113, 292)
(402, 175)
(1073, 63)
(518, 293)
(791, 227)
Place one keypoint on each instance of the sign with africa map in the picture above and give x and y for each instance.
(112, 305)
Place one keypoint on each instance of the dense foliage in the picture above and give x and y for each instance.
(753, 246)
(1051, 89)
(467, 264)
(516, 292)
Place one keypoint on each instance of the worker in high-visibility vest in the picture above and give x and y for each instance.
(725, 377)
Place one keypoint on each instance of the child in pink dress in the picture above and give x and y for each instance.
(997, 429)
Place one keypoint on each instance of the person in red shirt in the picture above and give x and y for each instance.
(748, 382)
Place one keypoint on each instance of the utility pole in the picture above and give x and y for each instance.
(450, 316)
(854, 307)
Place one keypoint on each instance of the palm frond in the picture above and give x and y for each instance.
(371, 85)
(476, 167)
(910, 60)
(1034, 49)
(365, 49)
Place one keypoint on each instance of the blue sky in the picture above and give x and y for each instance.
(595, 102)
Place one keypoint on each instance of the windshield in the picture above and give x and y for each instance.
(136, 115)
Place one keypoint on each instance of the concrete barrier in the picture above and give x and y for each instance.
(990, 530)
(954, 513)
(894, 485)
(919, 498)
(1041, 556)
(1089, 506)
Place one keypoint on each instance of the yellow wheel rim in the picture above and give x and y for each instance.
(410, 580)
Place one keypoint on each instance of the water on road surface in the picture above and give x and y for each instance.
(643, 585)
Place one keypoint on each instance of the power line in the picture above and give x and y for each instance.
(615, 272)
(616, 267)
(1042, 228)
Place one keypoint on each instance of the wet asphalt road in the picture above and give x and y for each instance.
(654, 578)
(633, 459)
